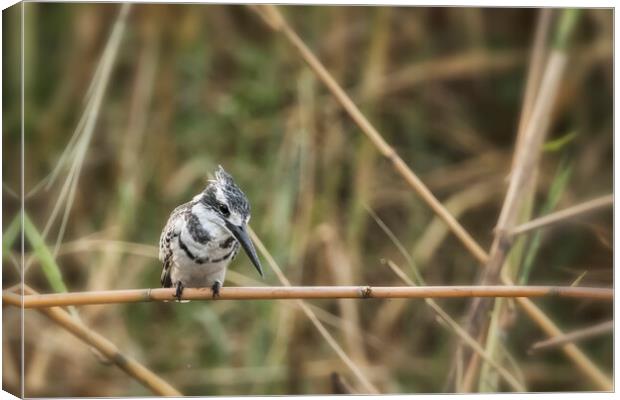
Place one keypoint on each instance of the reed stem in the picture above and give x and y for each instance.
(303, 292)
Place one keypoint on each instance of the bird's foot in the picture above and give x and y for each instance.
(216, 289)
(179, 291)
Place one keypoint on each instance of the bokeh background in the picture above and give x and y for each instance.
(193, 86)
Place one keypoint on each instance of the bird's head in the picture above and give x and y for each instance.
(231, 209)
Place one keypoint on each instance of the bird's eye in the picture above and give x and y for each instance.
(224, 210)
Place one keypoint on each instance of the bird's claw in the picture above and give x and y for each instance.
(179, 291)
(216, 289)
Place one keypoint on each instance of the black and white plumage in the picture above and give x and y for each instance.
(202, 236)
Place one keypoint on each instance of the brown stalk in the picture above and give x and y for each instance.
(534, 73)
(563, 215)
(304, 292)
(132, 367)
(274, 19)
(581, 334)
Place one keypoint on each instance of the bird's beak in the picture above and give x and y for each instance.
(240, 233)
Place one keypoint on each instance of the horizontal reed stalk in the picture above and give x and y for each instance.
(303, 292)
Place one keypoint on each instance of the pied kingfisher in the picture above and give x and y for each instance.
(202, 236)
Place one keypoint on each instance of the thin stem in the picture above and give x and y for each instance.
(534, 73)
(581, 334)
(304, 292)
(563, 215)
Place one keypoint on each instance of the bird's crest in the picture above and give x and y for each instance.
(221, 177)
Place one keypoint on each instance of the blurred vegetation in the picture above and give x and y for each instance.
(194, 86)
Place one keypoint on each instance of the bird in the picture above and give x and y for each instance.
(202, 237)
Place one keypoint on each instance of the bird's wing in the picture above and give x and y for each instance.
(171, 230)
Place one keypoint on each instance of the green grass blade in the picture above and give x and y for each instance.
(559, 143)
(9, 236)
(48, 263)
(44, 255)
(558, 185)
(566, 27)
